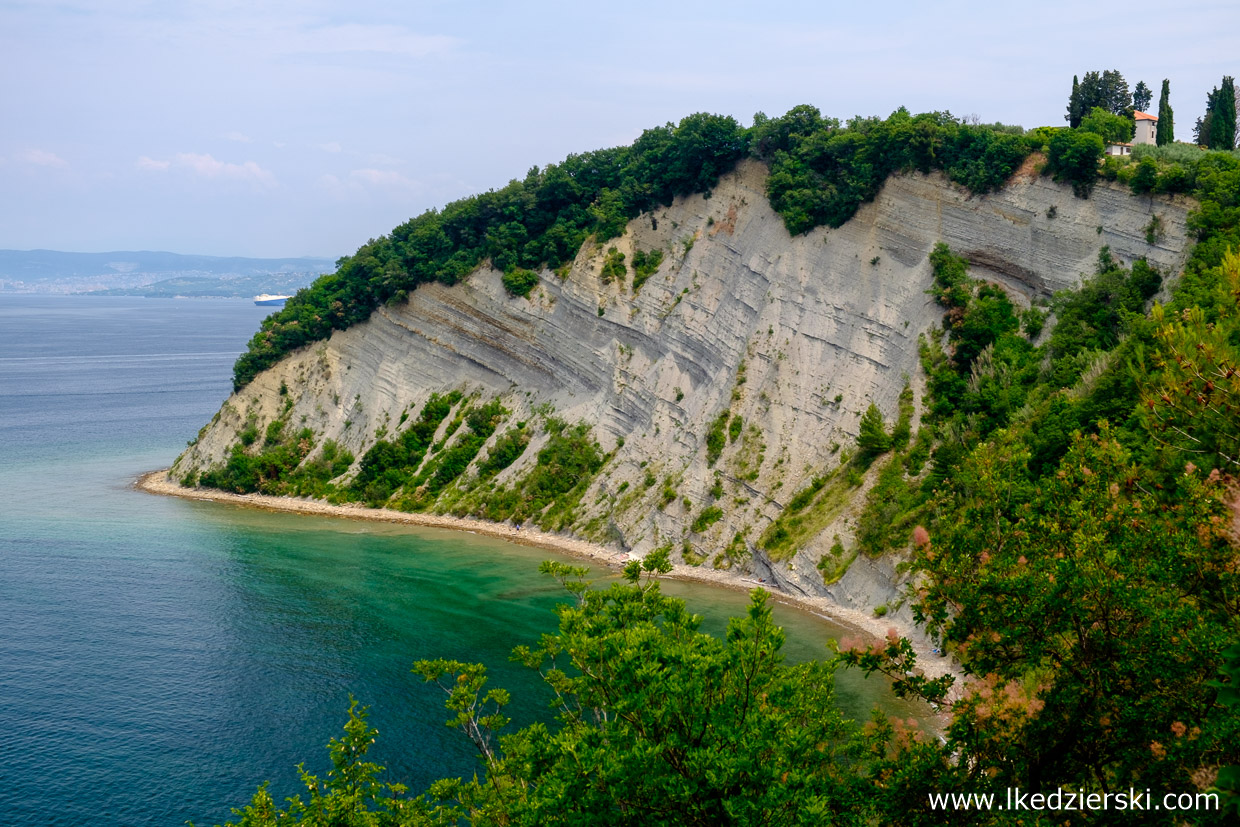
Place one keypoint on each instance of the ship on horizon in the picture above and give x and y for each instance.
(267, 300)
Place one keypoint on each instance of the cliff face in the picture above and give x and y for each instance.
(795, 336)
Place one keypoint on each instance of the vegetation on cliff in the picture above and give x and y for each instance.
(822, 171)
(1068, 502)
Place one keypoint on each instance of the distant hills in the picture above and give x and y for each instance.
(154, 274)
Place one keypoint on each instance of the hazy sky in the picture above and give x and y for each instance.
(305, 128)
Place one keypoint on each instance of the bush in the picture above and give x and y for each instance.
(519, 282)
(1073, 156)
(715, 438)
(613, 266)
(706, 519)
(645, 264)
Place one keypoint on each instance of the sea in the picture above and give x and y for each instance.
(161, 657)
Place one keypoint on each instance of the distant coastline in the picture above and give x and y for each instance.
(158, 482)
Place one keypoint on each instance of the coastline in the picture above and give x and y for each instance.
(158, 483)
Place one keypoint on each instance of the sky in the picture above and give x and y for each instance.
(306, 128)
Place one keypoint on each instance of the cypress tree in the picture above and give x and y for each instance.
(1166, 123)
(1223, 117)
(1074, 105)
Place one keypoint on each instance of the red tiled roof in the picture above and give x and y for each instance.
(1142, 116)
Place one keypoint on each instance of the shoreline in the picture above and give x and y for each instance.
(158, 483)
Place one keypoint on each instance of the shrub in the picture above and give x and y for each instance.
(519, 282)
(613, 266)
(715, 438)
(1073, 157)
(706, 519)
(645, 264)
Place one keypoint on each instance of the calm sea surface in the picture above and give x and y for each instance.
(161, 657)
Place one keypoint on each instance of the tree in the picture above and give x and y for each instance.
(657, 723)
(1106, 89)
(1222, 129)
(1166, 121)
(1114, 129)
(873, 438)
(1069, 597)
(1073, 156)
(1141, 97)
(1074, 105)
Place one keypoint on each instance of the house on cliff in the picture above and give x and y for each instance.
(1147, 126)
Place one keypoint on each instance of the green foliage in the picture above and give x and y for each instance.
(1073, 157)
(519, 282)
(1094, 317)
(538, 221)
(277, 466)
(505, 451)
(1113, 129)
(1142, 95)
(1068, 594)
(1075, 111)
(549, 492)
(873, 439)
(350, 796)
(1217, 129)
(1106, 90)
(814, 511)
(835, 562)
(445, 467)
(706, 519)
(716, 437)
(1193, 410)
(822, 172)
(389, 464)
(735, 426)
(1165, 132)
(634, 743)
(613, 266)
(645, 264)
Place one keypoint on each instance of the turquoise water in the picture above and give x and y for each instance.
(160, 657)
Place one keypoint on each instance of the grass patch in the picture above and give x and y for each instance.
(792, 530)
(706, 519)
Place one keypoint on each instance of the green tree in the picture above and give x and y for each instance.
(873, 438)
(1166, 119)
(1114, 129)
(1067, 598)
(1141, 97)
(1107, 90)
(1222, 126)
(351, 795)
(1074, 105)
(1073, 156)
(657, 723)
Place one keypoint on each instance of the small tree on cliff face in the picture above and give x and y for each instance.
(873, 439)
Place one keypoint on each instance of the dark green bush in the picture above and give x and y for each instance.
(519, 282)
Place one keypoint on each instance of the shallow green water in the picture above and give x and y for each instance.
(160, 657)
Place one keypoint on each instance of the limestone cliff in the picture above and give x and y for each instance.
(793, 336)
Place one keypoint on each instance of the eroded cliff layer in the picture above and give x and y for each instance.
(775, 344)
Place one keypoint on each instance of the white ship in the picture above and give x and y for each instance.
(267, 300)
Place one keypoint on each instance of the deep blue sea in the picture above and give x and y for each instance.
(160, 657)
